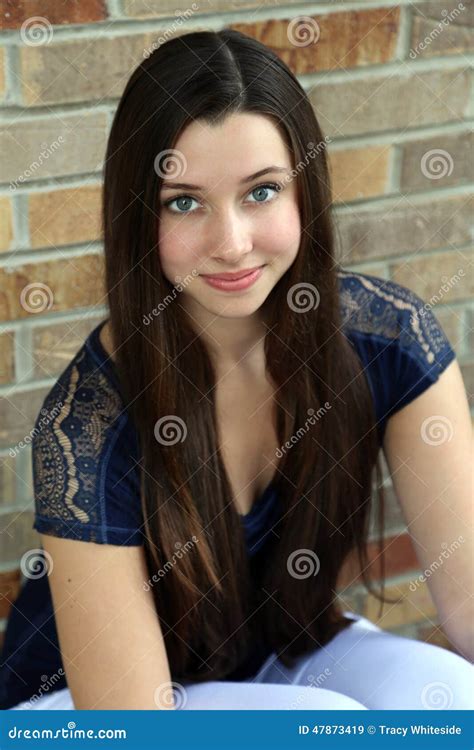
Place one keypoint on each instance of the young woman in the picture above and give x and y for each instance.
(208, 464)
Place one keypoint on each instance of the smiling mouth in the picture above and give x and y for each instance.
(232, 276)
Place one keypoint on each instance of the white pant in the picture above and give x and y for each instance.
(362, 667)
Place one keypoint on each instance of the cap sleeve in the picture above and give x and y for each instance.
(401, 343)
(423, 350)
(85, 461)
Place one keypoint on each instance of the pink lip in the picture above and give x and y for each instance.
(231, 276)
(231, 285)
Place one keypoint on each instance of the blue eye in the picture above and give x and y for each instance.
(266, 186)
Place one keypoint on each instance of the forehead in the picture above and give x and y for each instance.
(241, 144)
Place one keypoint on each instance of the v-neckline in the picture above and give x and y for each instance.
(108, 362)
(258, 502)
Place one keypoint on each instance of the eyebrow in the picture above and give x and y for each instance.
(250, 178)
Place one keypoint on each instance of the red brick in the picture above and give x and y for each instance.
(399, 557)
(14, 12)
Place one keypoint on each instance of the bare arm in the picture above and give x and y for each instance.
(110, 637)
(429, 450)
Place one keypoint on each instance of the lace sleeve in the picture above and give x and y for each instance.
(401, 342)
(85, 477)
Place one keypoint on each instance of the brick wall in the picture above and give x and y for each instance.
(392, 88)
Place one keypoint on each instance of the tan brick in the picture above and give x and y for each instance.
(341, 40)
(391, 102)
(81, 70)
(171, 8)
(450, 321)
(7, 363)
(437, 162)
(426, 275)
(7, 480)
(50, 147)
(359, 172)
(414, 606)
(63, 217)
(17, 535)
(13, 14)
(441, 29)
(63, 284)
(10, 583)
(404, 227)
(6, 223)
(55, 345)
(18, 413)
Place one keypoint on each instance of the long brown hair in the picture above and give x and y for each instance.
(209, 602)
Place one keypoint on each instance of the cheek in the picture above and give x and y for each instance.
(281, 234)
(177, 249)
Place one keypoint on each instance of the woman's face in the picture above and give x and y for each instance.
(229, 225)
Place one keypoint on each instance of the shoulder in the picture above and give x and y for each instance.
(85, 456)
(397, 335)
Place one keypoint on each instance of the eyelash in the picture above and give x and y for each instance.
(274, 186)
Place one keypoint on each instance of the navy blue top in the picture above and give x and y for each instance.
(86, 480)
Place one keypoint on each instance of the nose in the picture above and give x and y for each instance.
(231, 238)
